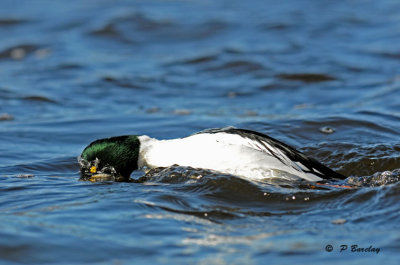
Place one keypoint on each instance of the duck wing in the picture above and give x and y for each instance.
(281, 151)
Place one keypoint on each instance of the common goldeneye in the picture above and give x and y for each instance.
(239, 152)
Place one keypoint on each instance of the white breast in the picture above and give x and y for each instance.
(223, 152)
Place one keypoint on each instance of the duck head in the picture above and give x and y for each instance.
(116, 156)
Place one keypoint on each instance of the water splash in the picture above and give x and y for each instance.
(378, 179)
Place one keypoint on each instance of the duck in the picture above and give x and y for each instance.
(239, 152)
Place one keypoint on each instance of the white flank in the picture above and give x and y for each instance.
(222, 152)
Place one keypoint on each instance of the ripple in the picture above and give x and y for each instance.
(139, 27)
(226, 186)
(121, 82)
(368, 160)
(105, 65)
(237, 67)
(18, 52)
(217, 197)
(110, 31)
(200, 59)
(307, 77)
(6, 117)
(39, 99)
(342, 123)
(7, 22)
(377, 179)
(57, 165)
(122, 28)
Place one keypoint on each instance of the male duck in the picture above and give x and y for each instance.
(239, 152)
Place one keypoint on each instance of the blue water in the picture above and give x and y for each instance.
(322, 76)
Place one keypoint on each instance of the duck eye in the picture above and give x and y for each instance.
(93, 169)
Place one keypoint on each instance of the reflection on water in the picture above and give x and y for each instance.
(320, 76)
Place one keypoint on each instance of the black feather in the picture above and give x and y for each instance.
(312, 165)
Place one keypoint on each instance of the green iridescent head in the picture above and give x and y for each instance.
(116, 156)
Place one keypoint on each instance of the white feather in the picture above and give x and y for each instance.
(222, 152)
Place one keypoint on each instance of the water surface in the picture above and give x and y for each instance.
(322, 76)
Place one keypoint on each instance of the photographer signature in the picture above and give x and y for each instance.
(353, 248)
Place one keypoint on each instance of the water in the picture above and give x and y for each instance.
(322, 76)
